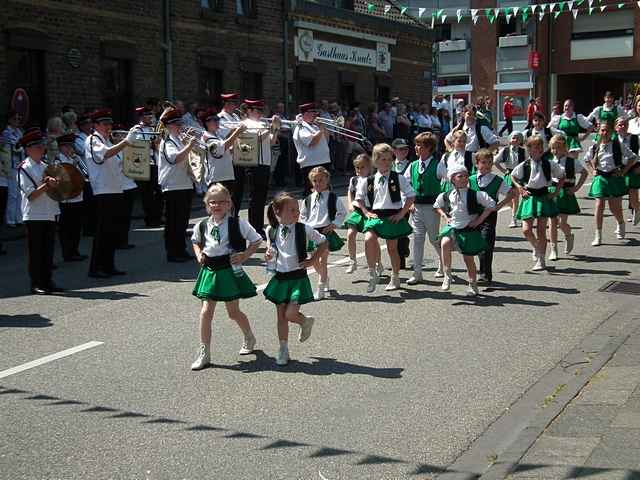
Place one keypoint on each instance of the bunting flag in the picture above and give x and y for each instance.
(490, 15)
(443, 17)
(370, 7)
(533, 8)
(403, 10)
(387, 9)
(421, 12)
(575, 13)
(508, 17)
(579, 2)
(570, 5)
(620, 5)
(525, 14)
(556, 15)
(561, 5)
(602, 8)
(590, 3)
(474, 15)
(439, 12)
(590, 10)
(433, 21)
(459, 14)
(541, 14)
(551, 7)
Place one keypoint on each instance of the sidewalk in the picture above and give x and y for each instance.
(597, 435)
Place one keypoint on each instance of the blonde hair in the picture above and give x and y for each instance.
(459, 133)
(557, 139)
(315, 171)
(276, 206)
(426, 140)
(484, 154)
(380, 150)
(212, 191)
(535, 140)
(362, 160)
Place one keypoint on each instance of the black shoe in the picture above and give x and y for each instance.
(99, 274)
(116, 272)
(173, 259)
(40, 291)
(55, 289)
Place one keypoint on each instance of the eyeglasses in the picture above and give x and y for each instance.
(217, 202)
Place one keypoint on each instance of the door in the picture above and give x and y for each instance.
(306, 91)
(27, 72)
(116, 74)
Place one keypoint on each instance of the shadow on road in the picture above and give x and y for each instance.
(34, 320)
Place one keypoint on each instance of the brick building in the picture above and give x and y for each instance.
(579, 58)
(89, 53)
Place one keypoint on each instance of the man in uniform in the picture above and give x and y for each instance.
(85, 128)
(311, 142)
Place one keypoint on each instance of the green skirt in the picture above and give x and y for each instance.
(297, 291)
(567, 203)
(446, 186)
(536, 207)
(355, 220)
(469, 242)
(335, 243)
(608, 187)
(223, 285)
(633, 178)
(386, 229)
(507, 179)
(573, 143)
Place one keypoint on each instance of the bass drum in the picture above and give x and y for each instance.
(246, 149)
(70, 181)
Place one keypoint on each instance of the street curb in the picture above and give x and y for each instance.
(496, 453)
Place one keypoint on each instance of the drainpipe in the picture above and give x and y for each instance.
(167, 49)
(285, 54)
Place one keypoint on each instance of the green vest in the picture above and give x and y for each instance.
(427, 184)
(491, 189)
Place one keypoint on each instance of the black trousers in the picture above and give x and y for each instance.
(129, 197)
(70, 224)
(109, 213)
(508, 126)
(282, 165)
(152, 199)
(178, 210)
(4, 196)
(257, 180)
(488, 232)
(41, 237)
(90, 218)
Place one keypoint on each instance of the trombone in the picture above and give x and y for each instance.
(337, 126)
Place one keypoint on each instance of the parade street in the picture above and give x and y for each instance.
(95, 383)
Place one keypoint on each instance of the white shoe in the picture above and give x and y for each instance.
(568, 246)
(636, 216)
(305, 329)
(534, 255)
(446, 283)
(473, 289)
(320, 293)
(539, 265)
(394, 283)
(620, 231)
(248, 345)
(327, 288)
(203, 359)
(553, 253)
(380, 269)
(353, 266)
(373, 282)
(415, 279)
(283, 355)
(514, 223)
(439, 273)
(597, 241)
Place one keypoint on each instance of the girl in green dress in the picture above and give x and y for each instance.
(220, 245)
(566, 199)
(573, 125)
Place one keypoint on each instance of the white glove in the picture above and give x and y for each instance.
(131, 136)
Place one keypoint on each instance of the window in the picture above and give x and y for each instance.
(27, 67)
(246, 8)
(216, 5)
(347, 95)
(306, 90)
(383, 94)
(520, 100)
(211, 86)
(519, 77)
(451, 63)
(593, 38)
(116, 75)
(252, 85)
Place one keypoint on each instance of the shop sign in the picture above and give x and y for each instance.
(534, 60)
(308, 49)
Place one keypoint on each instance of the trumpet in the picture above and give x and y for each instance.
(194, 133)
(145, 136)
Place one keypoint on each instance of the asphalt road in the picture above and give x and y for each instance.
(390, 385)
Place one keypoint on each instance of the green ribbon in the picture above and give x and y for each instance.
(215, 233)
(285, 231)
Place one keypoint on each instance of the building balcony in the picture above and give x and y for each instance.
(512, 53)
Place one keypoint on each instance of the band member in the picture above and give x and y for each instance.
(129, 187)
(85, 128)
(312, 143)
(10, 137)
(106, 181)
(152, 201)
(219, 166)
(39, 212)
(611, 160)
(257, 176)
(478, 135)
(177, 187)
(71, 210)
(228, 114)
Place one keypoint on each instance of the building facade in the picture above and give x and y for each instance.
(117, 53)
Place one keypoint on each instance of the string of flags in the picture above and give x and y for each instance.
(553, 9)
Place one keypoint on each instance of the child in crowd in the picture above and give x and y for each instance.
(425, 176)
(633, 177)
(457, 156)
(539, 128)
(324, 211)
(505, 161)
(566, 200)
(494, 186)
(384, 198)
(290, 288)
(463, 210)
(220, 245)
(355, 220)
(533, 178)
(400, 164)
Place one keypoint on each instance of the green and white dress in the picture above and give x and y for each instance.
(463, 206)
(355, 219)
(290, 284)
(319, 210)
(385, 195)
(610, 159)
(509, 157)
(567, 202)
(455, 157)
(572, 127)
(217, 280)
(541, 173)
(604, 114)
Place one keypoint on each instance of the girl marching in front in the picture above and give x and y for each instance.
(385, 198)
(463, 211)
(355, 220)
(633, 177)
(287, 259)
(611, 160)
(505, 161)
(323, 211)
(566, 200)
(533, 178)
(220, 245)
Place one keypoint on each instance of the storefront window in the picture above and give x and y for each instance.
(520, 100)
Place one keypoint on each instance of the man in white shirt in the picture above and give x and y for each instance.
(311, 142)
(85, 128)
(38, 212)
(228, 114)
(219, 166)
(104, 173)
(177, 187)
